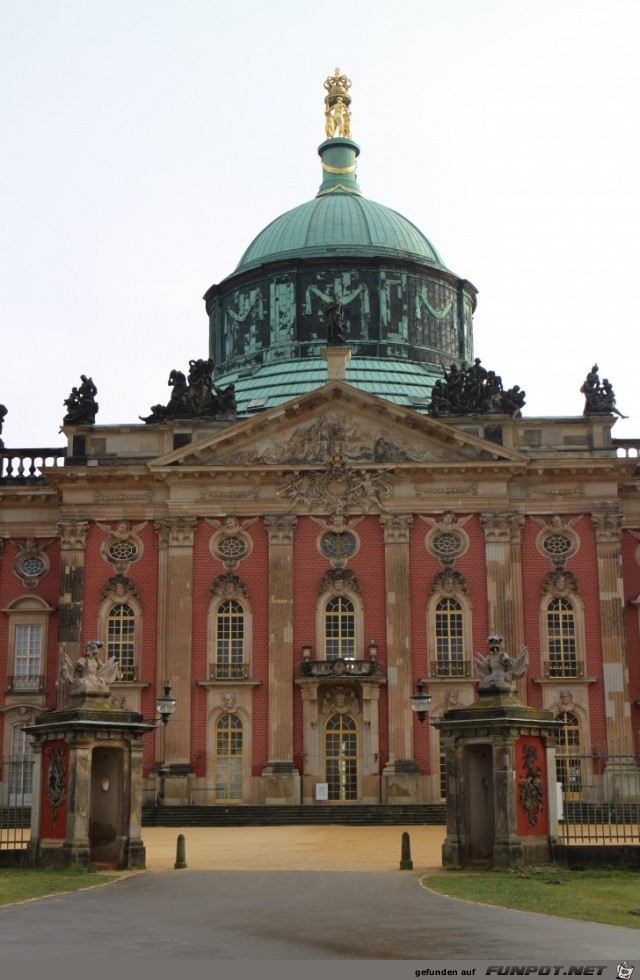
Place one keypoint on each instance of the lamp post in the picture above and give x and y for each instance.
(420, 702)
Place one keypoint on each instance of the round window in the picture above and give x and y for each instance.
(32, 567)
(446, 544)
(338, 544)
(557, 545)
(231, 547)
(122, 551)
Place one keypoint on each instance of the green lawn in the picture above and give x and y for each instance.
(19, 884)
(610, 897)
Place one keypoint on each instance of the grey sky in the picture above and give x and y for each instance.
(147, 142)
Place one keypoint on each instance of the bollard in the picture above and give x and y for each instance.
(406, 864)
(181, 852)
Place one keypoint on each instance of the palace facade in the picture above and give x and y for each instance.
(340, 502)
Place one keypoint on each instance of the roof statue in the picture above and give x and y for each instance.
(599, 398)
(195, 396)
(334, 319)
(474, 391)
(3, 412)
(89, 674)
(498, 670)
(336, 106)
(81, 404)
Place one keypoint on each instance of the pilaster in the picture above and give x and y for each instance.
(396, 529)
(608, 532)
(503, 551)
(73, 539)
(175, 601)
(281, 777)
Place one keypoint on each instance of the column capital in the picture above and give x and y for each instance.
(608, 527)
(176, 531)
(280, 528)
(396, 528)
(73, 535)
(502, 526)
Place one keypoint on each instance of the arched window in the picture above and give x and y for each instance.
(569, 759)
(121, 627)
(229, 757)
(561, 639)
(340, 629)
(230, 659)
(449, 627)
(341, 757)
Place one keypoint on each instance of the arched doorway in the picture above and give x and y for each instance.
(341, 757)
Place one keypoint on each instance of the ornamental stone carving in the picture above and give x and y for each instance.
(396, 528)
(73, 535)
(340, 581)
(119, 588)
(560, 583)
(502, 527)
(176, 531)
(449, 583)
(280, 528)
(608, 527)
(338, 489)
(31, 562)
(229, 586)
(229, 702)
(341, 701)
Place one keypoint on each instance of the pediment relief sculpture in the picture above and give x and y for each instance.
(120, 588)
(340, 700)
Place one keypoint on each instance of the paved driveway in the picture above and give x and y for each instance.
(294, 915)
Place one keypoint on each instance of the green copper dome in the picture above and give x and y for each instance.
(339, 221)
(405, 315)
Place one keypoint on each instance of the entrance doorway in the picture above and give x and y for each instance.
(341, 757)
(480, 816)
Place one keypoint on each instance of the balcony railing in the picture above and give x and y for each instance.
(228, 672)
(127, 674)
(25, 465)
(450, 668)
(567, 668)
(33, 683)
(340, 668)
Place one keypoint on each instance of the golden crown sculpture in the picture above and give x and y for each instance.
(336, 106)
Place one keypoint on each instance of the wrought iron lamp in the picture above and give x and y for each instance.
(420, 702)
(165, 704)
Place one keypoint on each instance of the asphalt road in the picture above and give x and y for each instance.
(289, 915)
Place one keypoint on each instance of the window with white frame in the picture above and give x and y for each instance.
(28, 619)
(27, 660)
(121, 636)
(562, 640)
(230, 631)
(340, 629)
(449, 635)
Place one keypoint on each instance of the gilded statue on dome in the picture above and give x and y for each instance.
(336, 105)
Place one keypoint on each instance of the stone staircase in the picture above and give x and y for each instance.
(264, 816)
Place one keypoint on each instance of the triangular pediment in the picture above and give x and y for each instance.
(341, 425)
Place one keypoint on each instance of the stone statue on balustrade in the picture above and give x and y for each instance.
(498, 670)
(89, 674)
